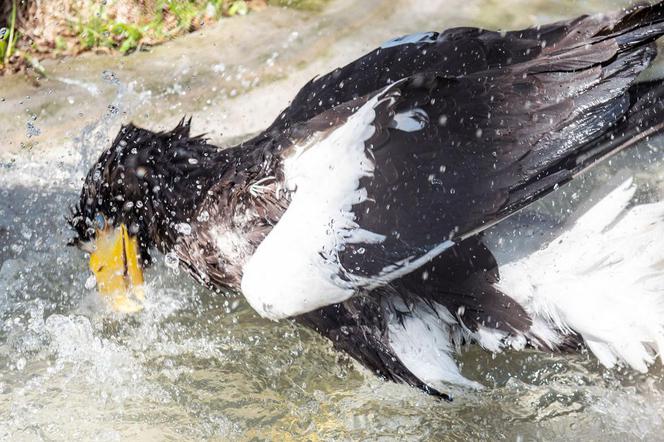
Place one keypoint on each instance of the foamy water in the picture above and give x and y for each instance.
(194, 365)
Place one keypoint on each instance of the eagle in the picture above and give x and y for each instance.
(361, 212)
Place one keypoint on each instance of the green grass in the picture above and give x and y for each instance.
(101, 33)
(8, 38)
(127, 37)
(307, 5)
(168, 19)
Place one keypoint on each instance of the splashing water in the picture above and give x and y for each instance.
(195, 365)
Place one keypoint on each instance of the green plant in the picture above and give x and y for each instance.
(238, 7)
(184, 12)
(98, 32)
(309, 5)
(128, 36)
(60, 43)
(8, 38)
(163, 20)
(93, 33)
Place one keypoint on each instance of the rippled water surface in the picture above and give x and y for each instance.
(193, 365)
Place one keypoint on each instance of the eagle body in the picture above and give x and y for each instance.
(361, 211)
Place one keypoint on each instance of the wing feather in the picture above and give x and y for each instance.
(384, 183)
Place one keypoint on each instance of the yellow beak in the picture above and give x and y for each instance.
(117, 270)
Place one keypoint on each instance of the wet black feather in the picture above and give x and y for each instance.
(508, 117)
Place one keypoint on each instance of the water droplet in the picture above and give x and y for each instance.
(171, 260)
(183, 228)
(91, 282)
(219, 68)
(20, 364)
(203, 216)
(109, 77)
(26, 232)
(32, 130)
(433, 180)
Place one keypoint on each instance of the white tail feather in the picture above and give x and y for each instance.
(603, 279)
(425, 341)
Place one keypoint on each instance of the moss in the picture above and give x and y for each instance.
(307, 5)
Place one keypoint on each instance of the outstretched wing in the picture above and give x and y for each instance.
(453, 52)
(382, 184)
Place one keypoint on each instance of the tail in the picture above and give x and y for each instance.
(603, 281)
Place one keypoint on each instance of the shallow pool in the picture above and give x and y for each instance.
(194, 365)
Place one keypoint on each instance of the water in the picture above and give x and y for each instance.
(195, 366)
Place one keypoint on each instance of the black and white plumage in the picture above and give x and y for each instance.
(360, 211)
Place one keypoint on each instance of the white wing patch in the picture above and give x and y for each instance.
(411, 120)
(425, 338)
(603, 279)
(296, 268)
